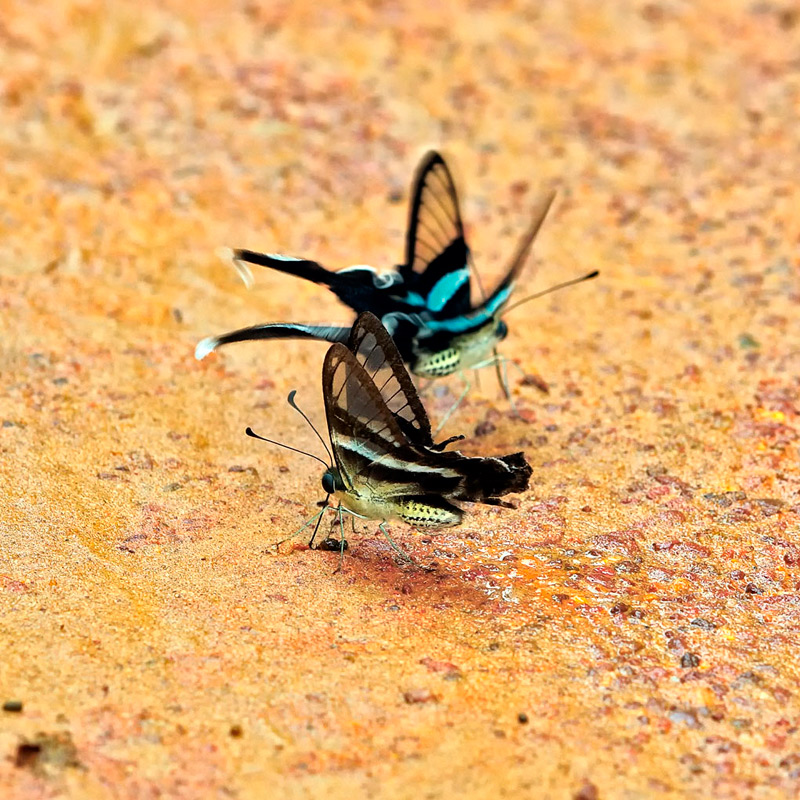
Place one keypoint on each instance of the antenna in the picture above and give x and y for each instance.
(555, 288)
(249, 432)
(294, 405)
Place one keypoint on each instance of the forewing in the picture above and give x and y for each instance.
(361, 427)
(437, 257)
(499, 297)
(369, 445)
(377, 353)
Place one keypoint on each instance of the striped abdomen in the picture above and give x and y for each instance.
(424, 514)
(437, 365)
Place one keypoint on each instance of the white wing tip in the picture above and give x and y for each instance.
(244, 273)
(206, 346)
(229, 257)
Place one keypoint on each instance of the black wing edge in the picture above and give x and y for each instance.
(523, 248)
(300, 267)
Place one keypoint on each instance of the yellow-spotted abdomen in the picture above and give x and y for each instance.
(437, 365)
(423, 515)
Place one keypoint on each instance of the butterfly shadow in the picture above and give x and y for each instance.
(424, 565)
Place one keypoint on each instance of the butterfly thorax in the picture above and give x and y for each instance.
(360, 500)
(369, 505)
(467, 350)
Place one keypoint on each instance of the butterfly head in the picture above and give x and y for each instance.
(501, 330)
(332, 481)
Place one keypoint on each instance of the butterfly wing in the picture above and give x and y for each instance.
(436, 275)
(278, 330)
(485, 479)
(436, 268)
(433, 284)
(499, 297)
(360, 287)
(382, 472)
(371, 451)
(437, 332)
(377, 353)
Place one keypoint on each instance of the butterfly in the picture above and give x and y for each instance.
(386, 465)
(425, 303)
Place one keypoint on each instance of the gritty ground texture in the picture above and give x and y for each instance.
(629, 631)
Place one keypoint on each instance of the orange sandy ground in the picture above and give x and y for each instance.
(641, 606)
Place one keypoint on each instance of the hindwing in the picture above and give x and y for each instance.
(273, 330)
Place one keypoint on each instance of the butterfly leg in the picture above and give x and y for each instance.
(316, 528)
(464, 393)
(399, 550)
(502, 371)
(342, 543)
(502, 376)
(331, 544)
(316, 518)
(501, 363)
(505, 383)
(515, 365)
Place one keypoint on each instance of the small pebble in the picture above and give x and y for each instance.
(536, 381)
(484, 428)
(332, 545)
(419, 696)
(746, 341)
(690, 660)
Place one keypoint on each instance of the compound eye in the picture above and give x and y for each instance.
(328, 483)
(502, 330)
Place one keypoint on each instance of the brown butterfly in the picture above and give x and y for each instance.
(386, 464)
